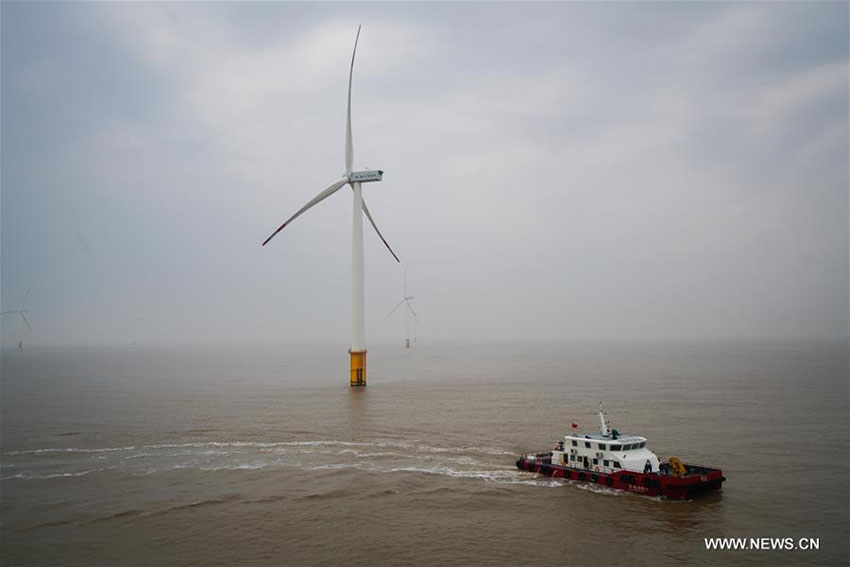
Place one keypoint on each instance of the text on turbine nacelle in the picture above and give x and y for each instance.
(366, 176)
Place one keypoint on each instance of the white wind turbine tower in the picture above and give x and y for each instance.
(406, 301)
(21, 320)
(354, 179)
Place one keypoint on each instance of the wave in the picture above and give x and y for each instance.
(116, 516)
(200, 504)
(47, 476)
(240, 466)
(267, 499)
(81, 473)
(339, 493)
(334, 467)
(504, 476)
(265, 444)
(374, 456)
(136, 512)
(46, 525)
(69, 450)
(595, 488)
(500, 476)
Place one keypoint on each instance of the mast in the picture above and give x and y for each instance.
(604, 428)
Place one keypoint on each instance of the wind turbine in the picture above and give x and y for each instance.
(23, 319)
(406, 300)
(354, 179)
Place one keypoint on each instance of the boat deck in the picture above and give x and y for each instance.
(697, 478)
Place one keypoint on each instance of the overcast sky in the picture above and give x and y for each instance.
(574, 171)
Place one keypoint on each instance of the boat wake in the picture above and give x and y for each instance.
(490, 464)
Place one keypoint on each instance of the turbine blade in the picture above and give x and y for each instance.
(24, 317)
(409, 306)
(318, 198)
(371, 220)
(394, 308)
(9, 312)
(349, 143)
(27, 294)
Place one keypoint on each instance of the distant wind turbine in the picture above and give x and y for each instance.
(406, 301)
(21, 320)
(354, 179)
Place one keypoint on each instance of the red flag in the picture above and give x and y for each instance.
(575, 425)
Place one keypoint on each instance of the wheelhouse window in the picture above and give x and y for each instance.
(616, 447)
(575, 443)
(642, 445)
(606, 463)
(587, 444)
(595, 461)
(602, 446)
(616, 464)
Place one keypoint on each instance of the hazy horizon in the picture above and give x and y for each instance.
(556, 171)
(385, 345)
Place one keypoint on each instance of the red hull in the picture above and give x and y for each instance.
(695, 481)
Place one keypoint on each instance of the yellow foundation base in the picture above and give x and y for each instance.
(358, 368)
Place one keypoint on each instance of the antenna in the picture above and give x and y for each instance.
(604, 424)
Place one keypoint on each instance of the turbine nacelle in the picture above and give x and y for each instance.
(365, 176)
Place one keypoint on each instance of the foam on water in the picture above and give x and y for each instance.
(209, 456)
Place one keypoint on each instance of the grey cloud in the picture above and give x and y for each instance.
(553, 170)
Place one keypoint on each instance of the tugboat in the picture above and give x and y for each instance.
(621, 462)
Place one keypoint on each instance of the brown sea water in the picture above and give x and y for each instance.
(249, 456)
